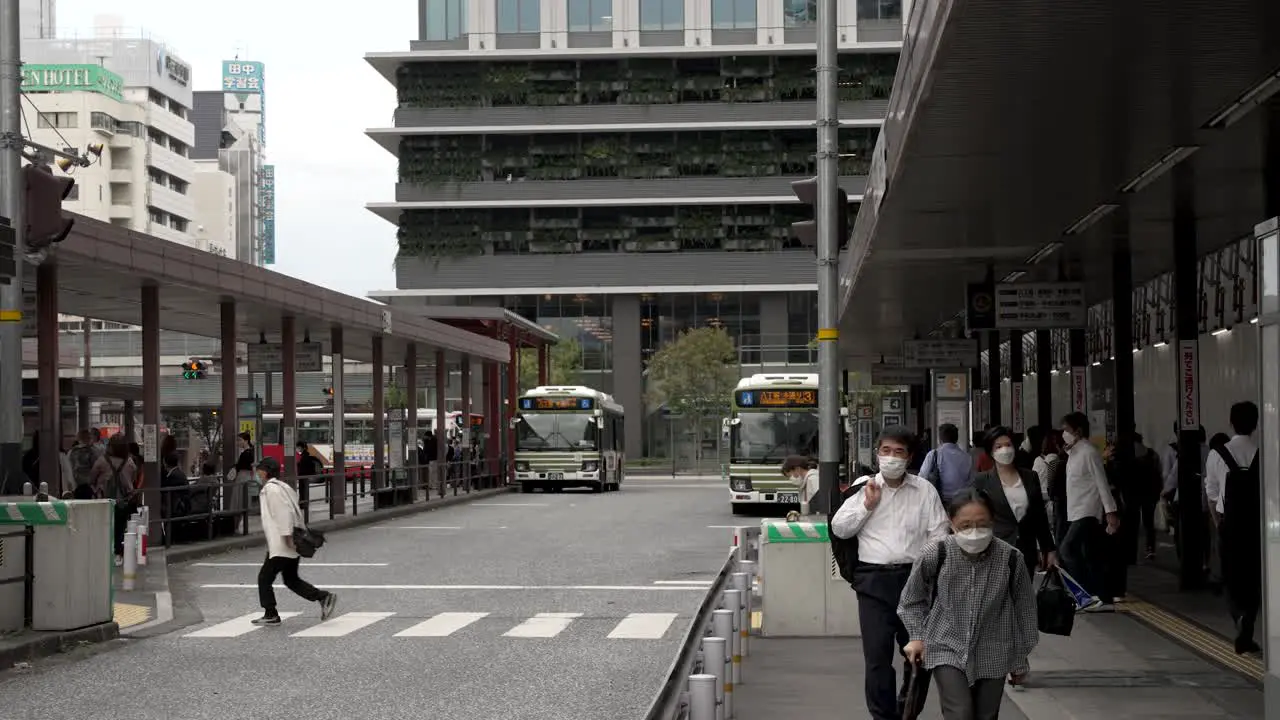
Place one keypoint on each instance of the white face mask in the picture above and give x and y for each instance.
(892, 467)
(1068, 439)
(1004, 455)
(974, 540)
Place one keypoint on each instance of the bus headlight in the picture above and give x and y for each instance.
(522, 466)
(591, 466)
(740, 484)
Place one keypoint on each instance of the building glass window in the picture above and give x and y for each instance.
(879, 9)
(802, 319)
(662, 14)
(58, 120)
(519, 16)
(445, 19)
(590, 15)
(733, 14)
(799, 13)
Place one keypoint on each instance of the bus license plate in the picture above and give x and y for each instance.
(560, 476)
(793, 498)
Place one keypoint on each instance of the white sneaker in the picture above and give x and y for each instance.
(119, 561)
(1101, 607)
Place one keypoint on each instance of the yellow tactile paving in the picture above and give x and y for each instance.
(757, 620)
(1195, 637)
(127, 615)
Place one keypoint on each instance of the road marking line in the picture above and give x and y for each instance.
(344, 624)
(509, 504)
(309, 564)
(242, 625)
(725, 527)
(643, 626)
(683, 582)
(416, 527)
(542, 625)
(603, 588)
(443, 625)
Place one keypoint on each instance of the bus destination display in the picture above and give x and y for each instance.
(557, 403)
(778, 398)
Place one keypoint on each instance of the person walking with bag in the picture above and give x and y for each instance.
(280, 516)
(114, 476)
(970, 612)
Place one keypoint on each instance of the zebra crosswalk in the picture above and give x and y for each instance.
(635, 626)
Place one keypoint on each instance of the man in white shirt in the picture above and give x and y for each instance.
(893, 517)
(1083, 550)
(1231, 483)
(280, 515)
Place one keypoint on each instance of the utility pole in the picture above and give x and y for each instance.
(11, 207)
(828, 218)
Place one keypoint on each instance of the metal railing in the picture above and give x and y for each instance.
(700, 683)
(213, 506)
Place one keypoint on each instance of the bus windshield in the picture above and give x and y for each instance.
(769, 437)
(556, 431)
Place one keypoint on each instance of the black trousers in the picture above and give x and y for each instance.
(288, 568)
(879, 589)
(123, 513)
(1241, 556)
(1083, 554)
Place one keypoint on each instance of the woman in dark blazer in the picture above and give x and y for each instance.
(1017, 502)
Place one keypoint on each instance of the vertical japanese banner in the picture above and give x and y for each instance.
(1188, 385)
(1079, 390)
(1015, 406)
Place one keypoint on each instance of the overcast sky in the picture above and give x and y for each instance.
(320, 97)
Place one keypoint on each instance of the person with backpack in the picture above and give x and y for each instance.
(1232, 484)
(114, 477)
(947, 467)
(83, 456)
(878, 533)
(970, 612)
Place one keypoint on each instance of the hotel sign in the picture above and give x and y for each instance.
(72, 78)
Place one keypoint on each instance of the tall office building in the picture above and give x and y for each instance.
(620, 170)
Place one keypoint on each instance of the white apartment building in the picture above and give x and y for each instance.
(214, 192)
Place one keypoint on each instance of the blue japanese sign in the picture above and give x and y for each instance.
(267, 203)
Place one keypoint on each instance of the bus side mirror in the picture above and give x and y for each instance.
(512, 422)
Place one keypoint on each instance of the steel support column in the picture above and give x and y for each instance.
(289, 397)
(492, 423)
(442, 415)
(50, 403)
(338, 481)
(379, 415)
(83, 403)
(827, 221)
(1044, 381)
(11, 207)
(411, 416)
(1017, 421)
(1186, 306)
(467, 435)
(509, 405)
(229, 409)
(1122, 338)
(151, 403)
(993, 376)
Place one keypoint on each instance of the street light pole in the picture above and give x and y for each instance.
(828, 247)
(11, 148)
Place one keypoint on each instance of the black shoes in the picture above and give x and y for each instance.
(272, 619)
(327, 604)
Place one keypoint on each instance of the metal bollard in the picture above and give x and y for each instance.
(733, 603)
(130, 559)
(702, 697)
(28, 489)
(722, 626)
(749, 568)
(716, 651)
(144, 534)
(742, 583)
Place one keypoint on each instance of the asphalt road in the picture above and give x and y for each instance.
(527, 607)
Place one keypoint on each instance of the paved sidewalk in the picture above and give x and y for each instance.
(1111, 667)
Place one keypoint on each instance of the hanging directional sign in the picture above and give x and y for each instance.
(1041, 306)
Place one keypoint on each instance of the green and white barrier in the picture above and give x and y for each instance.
(796, 532)
(53, 512)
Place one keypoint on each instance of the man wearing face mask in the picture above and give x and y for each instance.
(1089, 503)
(893, 517)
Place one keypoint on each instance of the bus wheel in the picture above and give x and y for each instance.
(597, 487)
(526, 487)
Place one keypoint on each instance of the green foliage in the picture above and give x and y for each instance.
(395, 397)
(696, 374)
(566, 365)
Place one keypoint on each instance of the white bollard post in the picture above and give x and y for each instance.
(733, 603)
(716, 649)
(130, 558)
(742, 583)
(144, 534)
(27, 489)
(702, 697)
(722, 626)
(749, 568)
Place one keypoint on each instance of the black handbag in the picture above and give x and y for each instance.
(307, 541)
(917, 691)
(1055, 605)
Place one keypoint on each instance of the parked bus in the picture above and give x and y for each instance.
(315, 428)
(569, 436)
(774, 415)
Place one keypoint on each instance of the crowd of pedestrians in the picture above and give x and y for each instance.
(944, 560)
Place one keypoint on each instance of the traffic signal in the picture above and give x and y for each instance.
(193, 370)
(329, 391)
(807, 231)
(43, 193)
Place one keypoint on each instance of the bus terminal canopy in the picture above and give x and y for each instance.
(480, 319)
(1013, 125)
(102, 268)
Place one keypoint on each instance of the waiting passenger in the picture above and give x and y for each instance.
(1232, 484)
(800, 471)
(1089, 501)
(970, 613)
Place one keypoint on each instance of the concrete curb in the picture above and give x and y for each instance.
(44, 644)
(178, 553)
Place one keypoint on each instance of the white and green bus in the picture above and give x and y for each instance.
(774, 415)
(569, 436)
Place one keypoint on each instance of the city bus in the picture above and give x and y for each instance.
(774, 415)
(568, 436)
(315, 428)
